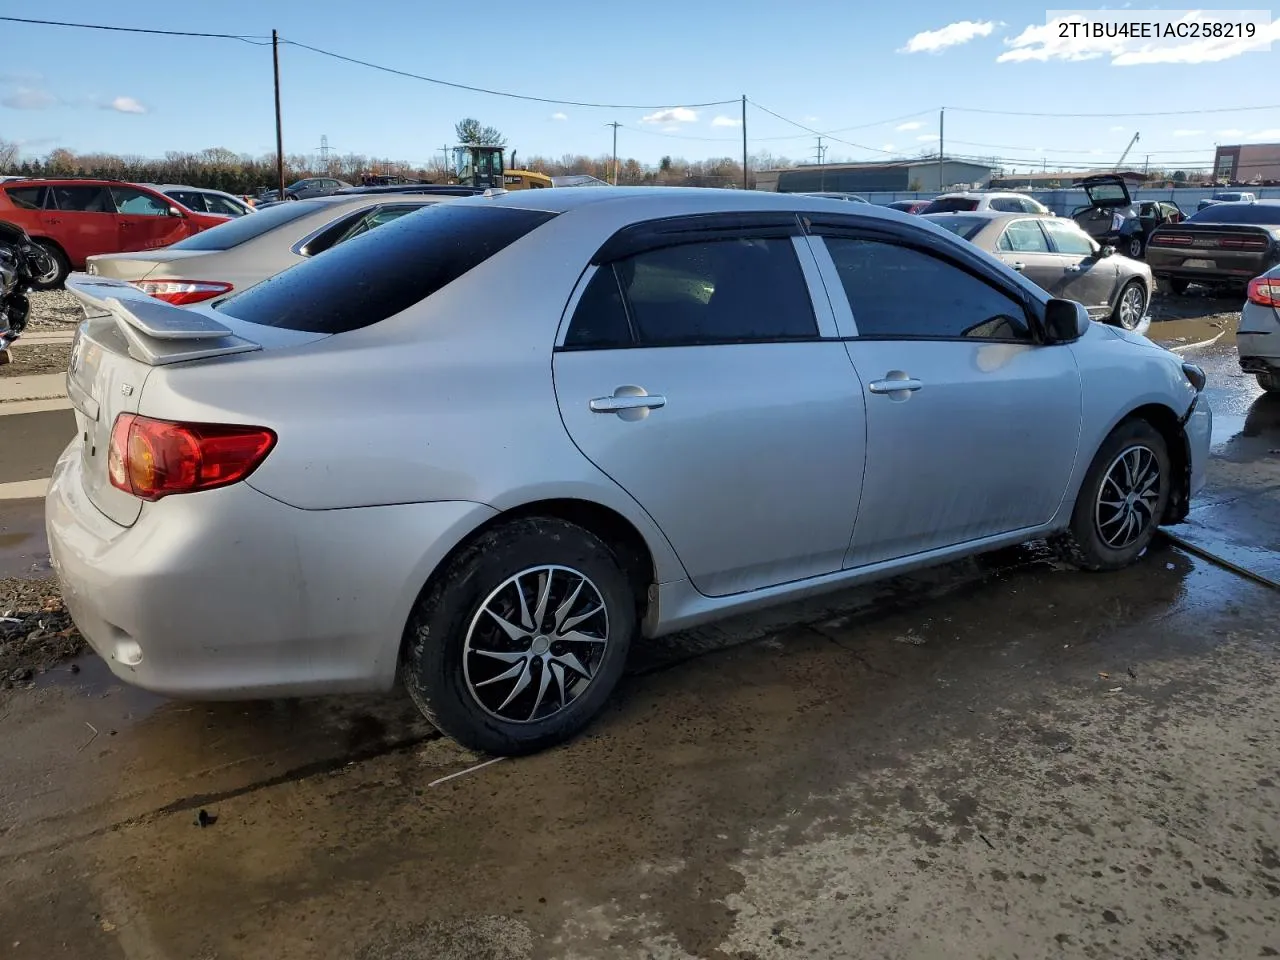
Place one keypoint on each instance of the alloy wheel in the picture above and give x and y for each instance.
(1131, 303)
(1127, 498)
(535, 644)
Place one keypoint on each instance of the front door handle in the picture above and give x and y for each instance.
(1076, 269)
(629, 403)
(892, 385)
(1018, 265)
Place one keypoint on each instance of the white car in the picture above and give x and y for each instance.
(970, 201)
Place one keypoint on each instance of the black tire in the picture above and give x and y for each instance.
(1117, 318)
(1083, 543)
(436, 661)
(1269, 382)
(62, 267)
(1133, 247)
(1178, 286)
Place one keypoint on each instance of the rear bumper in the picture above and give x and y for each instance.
(1226, 267)
(229, 594)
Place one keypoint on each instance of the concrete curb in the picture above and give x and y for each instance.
(44, 386)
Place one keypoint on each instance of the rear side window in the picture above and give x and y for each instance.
(235, 232)
(1023, 236)
(1008, 205)
(85, 199)
(1068, 238)
(26, 198)
(387, 270)
(966, 227)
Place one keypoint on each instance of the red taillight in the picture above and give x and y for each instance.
(155, 458)
(1241, 243)
(1265, 291)
(183, 292)
(1170, 240)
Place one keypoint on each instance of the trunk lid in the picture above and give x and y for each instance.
(137, 266)
(1107, 191)
(125, 337)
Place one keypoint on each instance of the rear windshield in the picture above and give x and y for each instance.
(375, 276)
(1268, 213)
(1106, 192)
(966, 227)
(951, 205)
(235, 232)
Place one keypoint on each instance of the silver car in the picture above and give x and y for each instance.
(238, 254)
(1057, 255)
(486, 447)
(203, 200)
(1258, 337)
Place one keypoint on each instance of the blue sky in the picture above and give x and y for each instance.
(827, 64)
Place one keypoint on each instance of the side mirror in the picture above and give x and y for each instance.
(1107, 251)
(1064, 321)
(175, 212)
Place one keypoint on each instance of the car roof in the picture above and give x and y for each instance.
(653, 202)
(979, 194)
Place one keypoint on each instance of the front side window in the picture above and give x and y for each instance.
(222, 205)
(189, 199)
(1023, 236)
(134, 202)
(898, 292)
(82, 199)
(1068, 238)
(721, 291)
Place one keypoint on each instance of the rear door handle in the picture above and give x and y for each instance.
(894, 386)
(1018, 265)
(1076, 269)
(629, 403)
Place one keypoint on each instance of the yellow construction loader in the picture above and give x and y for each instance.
(485, 167)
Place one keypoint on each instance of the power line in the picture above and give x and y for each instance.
(502, 93)
(818, 133)
(163, 33)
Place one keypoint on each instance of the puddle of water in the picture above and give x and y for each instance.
(1226, 426)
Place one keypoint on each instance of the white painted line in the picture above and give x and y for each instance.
(466, 771)
(42, 336)
(14, 407)
(24, 489)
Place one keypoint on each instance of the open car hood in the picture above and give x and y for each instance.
(1106, 190)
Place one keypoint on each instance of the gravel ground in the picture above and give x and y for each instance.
(54, 310)
(36, 631)
(32, 359)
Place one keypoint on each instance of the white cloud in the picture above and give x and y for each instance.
(909, 125)
(925, 137)
(811, 119)
(723, 121)
(1117, 129)
(673, 115)
(1271, 133)
(953, 34)
(29, 98)
(1188, 133)
(125, 105)
(559, 116)
(1045, 42)
(1230, 132)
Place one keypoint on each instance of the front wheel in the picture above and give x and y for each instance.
(1269, 381)
(520, 641)
(1130, 306)
(1122, 498)
(1133, 248)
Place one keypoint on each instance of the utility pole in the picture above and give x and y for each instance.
(744, 142)
(615, 124)
(444, 155)
(275, 62)
(942, 152)
(324, 152)
(822, 167)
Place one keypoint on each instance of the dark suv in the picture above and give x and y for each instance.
(1114, 219)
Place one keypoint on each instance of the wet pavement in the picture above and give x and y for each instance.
(1002, 758)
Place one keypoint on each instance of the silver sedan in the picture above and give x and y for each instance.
(1057, 255)
(487, 446)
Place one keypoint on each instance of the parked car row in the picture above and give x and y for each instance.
(441, 449)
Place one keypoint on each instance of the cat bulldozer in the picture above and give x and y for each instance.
(485, 167)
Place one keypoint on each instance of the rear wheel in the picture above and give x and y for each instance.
(1133, 248)
(58, 268)
(522, 639)
(1269, 381)
(1178, 286)
(1130, 306)
(1123, 497)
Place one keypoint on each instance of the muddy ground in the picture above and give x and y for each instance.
(32, 359)
(36, 631)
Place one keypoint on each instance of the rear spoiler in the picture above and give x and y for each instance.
(158, 333)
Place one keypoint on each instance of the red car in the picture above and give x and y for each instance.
(74, 219)
(909, 206)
